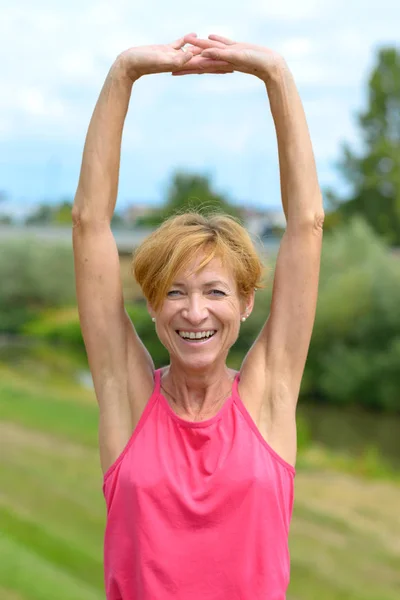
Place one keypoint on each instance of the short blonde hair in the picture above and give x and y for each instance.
(172, 247)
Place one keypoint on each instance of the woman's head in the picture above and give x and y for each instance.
(178, 267)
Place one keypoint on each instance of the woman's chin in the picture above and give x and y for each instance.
(198, 361)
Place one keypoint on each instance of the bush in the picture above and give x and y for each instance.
(354, 352)
(33, 276)
(62, 326)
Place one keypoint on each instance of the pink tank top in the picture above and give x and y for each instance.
(197, 510)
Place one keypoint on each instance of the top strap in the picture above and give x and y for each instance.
(157, 381)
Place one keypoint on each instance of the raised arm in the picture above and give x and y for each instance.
(287, 332)
(300, 191)
(96, 194)
(116, 356)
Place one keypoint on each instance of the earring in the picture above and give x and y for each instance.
(243, 319)
(153, 319)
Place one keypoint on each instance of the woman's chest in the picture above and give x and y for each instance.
(221, 462)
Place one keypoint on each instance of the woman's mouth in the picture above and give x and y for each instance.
(196, 339)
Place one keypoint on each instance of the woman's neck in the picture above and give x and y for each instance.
(196, 396)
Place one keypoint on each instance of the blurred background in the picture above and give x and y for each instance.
(201, 141)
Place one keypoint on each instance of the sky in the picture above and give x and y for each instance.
(56, 56)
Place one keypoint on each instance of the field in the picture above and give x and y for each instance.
(345, 533)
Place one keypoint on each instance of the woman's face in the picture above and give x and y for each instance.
(203, 302)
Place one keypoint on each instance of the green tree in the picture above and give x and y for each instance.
(51, 214)
(5, 219)
(62, 213)
(34, 275)
(189, 191)
(374, 174)
(43, 215)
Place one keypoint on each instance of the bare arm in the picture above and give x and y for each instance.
(96, 194)
(120, 365)
(287, 333)
(281, 349)
(301, 195)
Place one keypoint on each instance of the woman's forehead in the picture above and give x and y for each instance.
(212, 272)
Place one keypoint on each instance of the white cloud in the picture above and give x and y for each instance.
(78, 66)
(291, 10)
(233, 142)
(228, 84)
(58, 55)
(31, 100)
(297, 47)
(5, 126)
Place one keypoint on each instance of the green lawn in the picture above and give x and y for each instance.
(345, 534)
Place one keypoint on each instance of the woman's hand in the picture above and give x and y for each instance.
(146, 60)
(247, 58)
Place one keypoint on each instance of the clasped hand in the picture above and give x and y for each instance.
(217, 54)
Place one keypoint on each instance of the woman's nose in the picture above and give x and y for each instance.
(196, 310)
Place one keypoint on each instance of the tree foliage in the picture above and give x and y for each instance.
(354, 354)
(189, 191)
(374, 173)
(34, 275)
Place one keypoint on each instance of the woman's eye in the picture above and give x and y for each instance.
(214, 292)
(174, 292)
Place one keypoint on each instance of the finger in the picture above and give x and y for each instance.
(193, 72)
(176, 74)
(181, 41)
(195, 50)
(202, 72)
(204, 64)
(219, 38)
(215, 54)
(187, 56)
(190, 39)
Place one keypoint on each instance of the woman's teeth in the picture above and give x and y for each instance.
(196, 336)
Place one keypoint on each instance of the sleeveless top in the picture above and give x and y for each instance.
(197, 510)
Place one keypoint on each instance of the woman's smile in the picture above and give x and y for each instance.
(199, 341)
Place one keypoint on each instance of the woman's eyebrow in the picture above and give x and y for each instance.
(216, 282)
(208, 283)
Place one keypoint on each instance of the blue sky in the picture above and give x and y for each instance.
(56, 55)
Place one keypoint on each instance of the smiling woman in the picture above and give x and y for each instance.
(178, 267)
(198, 459)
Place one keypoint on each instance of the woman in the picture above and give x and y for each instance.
(198, 460)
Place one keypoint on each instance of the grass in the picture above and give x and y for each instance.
(344, 537)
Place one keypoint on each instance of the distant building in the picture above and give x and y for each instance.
(263, 222)
(133, 212)
(258, 221)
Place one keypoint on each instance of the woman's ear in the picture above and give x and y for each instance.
(248, 303)
(150, 310)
